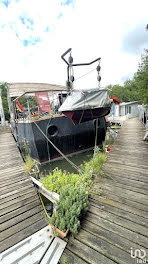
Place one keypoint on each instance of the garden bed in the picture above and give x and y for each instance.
(69, 193)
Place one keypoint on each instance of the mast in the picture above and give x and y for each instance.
(70, 65)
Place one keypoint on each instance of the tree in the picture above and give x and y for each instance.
(125, 93)
(3, 87)
(135, 89)
(141, 78)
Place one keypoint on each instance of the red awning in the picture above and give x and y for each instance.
(115, 99)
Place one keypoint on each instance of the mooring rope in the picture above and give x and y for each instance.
(96, 137)
(68, 160)
(44, 207)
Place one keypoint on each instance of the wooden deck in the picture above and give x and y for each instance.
(117, 218)
(21, 213)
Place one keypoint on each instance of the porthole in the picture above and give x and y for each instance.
(52, 130)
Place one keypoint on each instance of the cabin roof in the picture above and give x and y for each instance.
(128, 103)
(18, 89)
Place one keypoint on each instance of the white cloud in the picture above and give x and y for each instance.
(91, 28)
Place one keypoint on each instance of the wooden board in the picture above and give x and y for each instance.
(117, 216)
(21, 212)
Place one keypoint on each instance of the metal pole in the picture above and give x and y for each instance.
(2, 112)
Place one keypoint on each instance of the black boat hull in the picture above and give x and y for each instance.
(66, 136)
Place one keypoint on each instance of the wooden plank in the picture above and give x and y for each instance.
(111, 237)
(125, 151)
(15, 195)
(119, 221)
(54, 252)
(132, 182)
(132, 195)
(129, 168)
(120, 212)
(30, 210)
(70, 258)
(126, 174)
(21, 226)
(117, 229)
(17, 186)
(126, 154)
(126, 201)
(122, 183)
(9, 181)
(11, 176)
(26, 232)
(128, 163)
(39, 242)
(119, 205)
(52, 196)
(7, 211)
(88, 254)
(16, 191)
(107, 249)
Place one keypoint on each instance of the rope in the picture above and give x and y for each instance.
(46, 136)
(96, 136)
(44, 207)
(68, 160)
(85, 74)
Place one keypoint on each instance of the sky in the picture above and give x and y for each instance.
(35, 33)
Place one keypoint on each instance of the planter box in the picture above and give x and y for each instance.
(60, 233)
(52, 196)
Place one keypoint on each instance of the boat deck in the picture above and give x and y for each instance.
(21, 212)
(117, 219)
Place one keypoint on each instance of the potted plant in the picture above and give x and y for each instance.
(73, 203)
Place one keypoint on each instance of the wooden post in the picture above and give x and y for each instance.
(2, 112)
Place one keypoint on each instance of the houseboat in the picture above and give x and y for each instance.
(52, 119)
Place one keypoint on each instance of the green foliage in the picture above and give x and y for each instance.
(58, 180)
(26, 148)
(96, 162)
(63, 261)
(73, 189)
(29, 163)
(141, 78)
(135, 89)
(128, 92)
(24, 100)
(31, 166)
(72, 205)
(3, 88)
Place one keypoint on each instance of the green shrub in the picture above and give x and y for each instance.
(72, 205)
(31, 166)
(73, 189)
(95, 163)
(58, 180)
(29, 163)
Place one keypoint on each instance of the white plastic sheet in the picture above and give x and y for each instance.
(86, 99)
